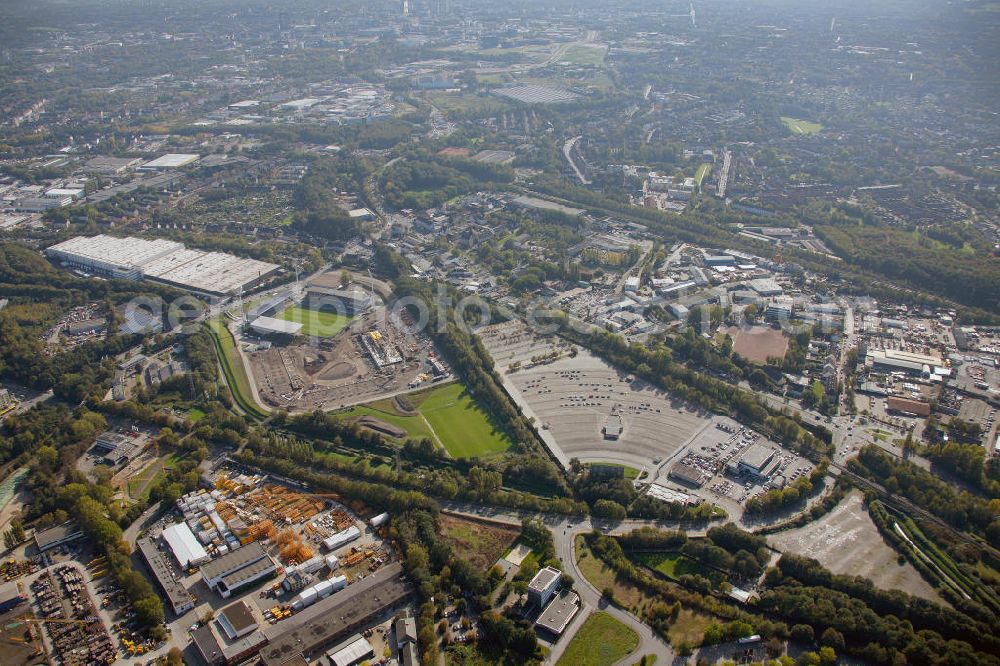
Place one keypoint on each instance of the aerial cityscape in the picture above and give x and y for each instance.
(456, 333)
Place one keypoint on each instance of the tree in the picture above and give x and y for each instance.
(832, 638)
(803, 633)
(175, 657)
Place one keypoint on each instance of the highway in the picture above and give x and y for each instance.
(727, 161)
(568, 153)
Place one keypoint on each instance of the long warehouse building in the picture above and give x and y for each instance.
(328, 621)
(161, 260)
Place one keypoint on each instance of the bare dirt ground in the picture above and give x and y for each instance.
(336, 373)
(758, 343)
(846, 541)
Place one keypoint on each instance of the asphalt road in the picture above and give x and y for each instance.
(564, 531)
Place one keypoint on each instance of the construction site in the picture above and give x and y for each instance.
(378, 354)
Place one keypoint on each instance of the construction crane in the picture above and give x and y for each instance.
(52, 620)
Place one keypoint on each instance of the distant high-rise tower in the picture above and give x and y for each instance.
(406, 7)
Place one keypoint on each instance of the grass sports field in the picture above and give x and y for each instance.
(315, 322)
(583, 54)
(798, 126)
(446, 414)
(601, 641)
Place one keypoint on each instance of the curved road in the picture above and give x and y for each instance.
(564, 532)
(649, 641)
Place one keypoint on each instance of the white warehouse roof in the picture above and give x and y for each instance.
(112, 254)
(185, 547)
(164, 261)
(211, 272)
(356, 651)
(170, 161)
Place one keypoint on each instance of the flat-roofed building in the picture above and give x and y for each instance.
(543, 586)
(352, 651)
(186, 548)
(904, 361)
(613, 427)
(12, 595)
(688, 474)
(237, 620)
(238, 569)
(214, 273)
(161, 260)
(57, 536)
(216, 650)
(327, 621)
(272, 326)
(110, 256)
(169, 161)
(559, 613)
(758, 461)
(111, 166)
(178, 598)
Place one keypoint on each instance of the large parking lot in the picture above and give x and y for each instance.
(572, 399)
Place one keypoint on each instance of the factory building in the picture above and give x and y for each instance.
(342, 538)
(237, 621)
(909, 362)
(238, 569)
(11, 595)
(169, 161)
(177, 596)
(335, 617)
(161, 260)
(186, 549)
(121, 258)
(352, 651)
(57, 536)
(218, 649)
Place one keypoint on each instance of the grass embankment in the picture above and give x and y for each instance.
(936, 566)
(232, 368)
(701, 173)
(601, 641)
(447, 415)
